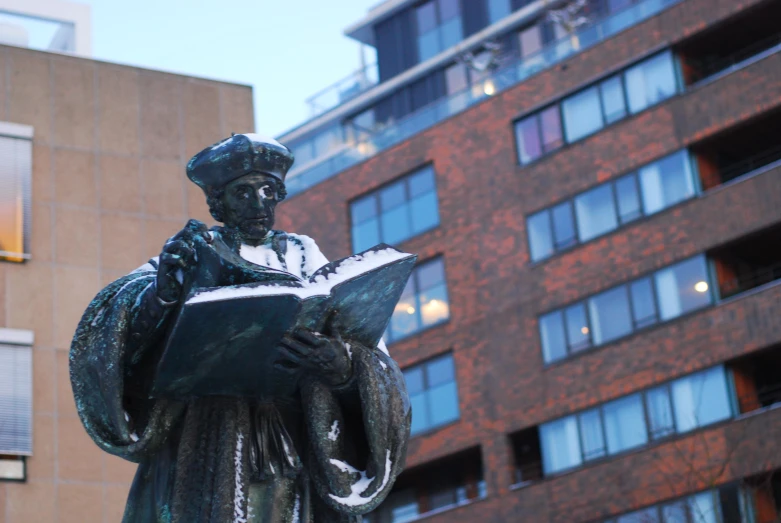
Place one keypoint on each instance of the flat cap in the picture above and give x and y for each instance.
(241, 154)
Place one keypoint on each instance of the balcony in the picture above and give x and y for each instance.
(748, 263)
(344, 90)
(744, 38)
(506, 77)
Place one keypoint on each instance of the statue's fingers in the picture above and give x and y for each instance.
(306, 337)
(291, 356)
(301, 349)
(171, 259)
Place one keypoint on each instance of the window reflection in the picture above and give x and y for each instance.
(433, 393)
(604, 208)
(587, 111)
(423, 303)
(397, 212)
(617, 312)
(633, 421)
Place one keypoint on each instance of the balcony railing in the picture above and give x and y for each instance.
(750, 280)
(343, 90)
(501, 80)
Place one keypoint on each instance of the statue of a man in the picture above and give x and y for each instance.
(329, 455)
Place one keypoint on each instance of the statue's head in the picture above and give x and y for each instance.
(243, 178)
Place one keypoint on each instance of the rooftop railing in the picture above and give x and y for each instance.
(501, 80)
(343, 90)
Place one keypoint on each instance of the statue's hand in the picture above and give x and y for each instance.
(323, 356)
(178, 255)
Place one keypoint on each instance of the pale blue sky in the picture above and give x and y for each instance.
(286, 49)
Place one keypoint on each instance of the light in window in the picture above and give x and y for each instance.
(701, 286)
(15, 175)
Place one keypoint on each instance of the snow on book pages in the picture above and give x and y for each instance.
(241, 358)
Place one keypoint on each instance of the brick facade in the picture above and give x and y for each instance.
(496, 293)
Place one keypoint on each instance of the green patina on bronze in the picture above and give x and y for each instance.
(222, 459)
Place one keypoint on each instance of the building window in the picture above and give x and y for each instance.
(539, 134)
(423, 302)
(727, 504)
(600, 319)
(438, 486)
(589, 110)
(433, 393)
(606, 207)
(439, 27)
(630, 422)
(396, 212)
(15, 180)
(15, 402)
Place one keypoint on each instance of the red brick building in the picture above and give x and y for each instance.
(594, 332)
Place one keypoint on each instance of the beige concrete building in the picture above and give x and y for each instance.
(107, 145)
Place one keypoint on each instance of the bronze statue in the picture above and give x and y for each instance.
(328, 453)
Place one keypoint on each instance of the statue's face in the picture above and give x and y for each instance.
(249, 203)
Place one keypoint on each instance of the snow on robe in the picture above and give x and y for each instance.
(331, 457)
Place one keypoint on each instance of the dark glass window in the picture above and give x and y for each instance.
(604, 208)
(635, 420)
(397, 212)
(439, 27)
(433, 393)
(619, 311)
(423, 303)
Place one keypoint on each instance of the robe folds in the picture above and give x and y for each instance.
(328, 457)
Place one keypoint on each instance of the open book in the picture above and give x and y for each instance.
(224, 340)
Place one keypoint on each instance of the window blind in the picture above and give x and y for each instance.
(16, 391)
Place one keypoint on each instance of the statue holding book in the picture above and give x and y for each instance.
(244, 373)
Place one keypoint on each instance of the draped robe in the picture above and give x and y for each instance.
(328, 457)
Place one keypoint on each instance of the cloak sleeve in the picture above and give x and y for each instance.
(119, 326)
(340, 447)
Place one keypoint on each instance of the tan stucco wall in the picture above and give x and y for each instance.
(110, 147)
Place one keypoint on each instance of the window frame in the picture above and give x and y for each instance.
(727, 376)
(414, 277)
(437, 28)
(16, 339)
(20, 132)
(375, 194)
(691, 168)
(620, 72)
(423, 366)
(709, 278)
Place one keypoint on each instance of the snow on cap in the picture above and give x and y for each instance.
(241, 154)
